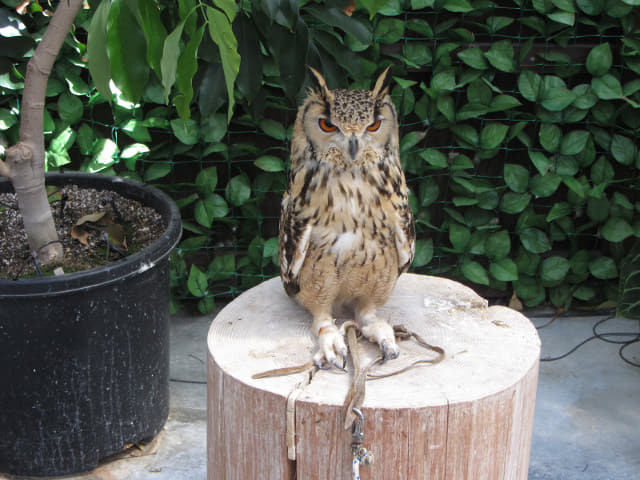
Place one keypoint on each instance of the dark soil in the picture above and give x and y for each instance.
(138, 227)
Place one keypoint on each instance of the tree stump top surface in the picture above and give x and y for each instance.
(487, 349)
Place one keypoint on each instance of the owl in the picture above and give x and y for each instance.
(346, 228)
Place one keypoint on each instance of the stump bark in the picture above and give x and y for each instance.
(468, 417)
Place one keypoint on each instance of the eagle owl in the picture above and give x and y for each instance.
(346, 228)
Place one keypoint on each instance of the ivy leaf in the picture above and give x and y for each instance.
(424, 252)
(210, 207)
(574, 142)
(269, 163)
(504, 270)
(187, 131)
(434, 157)
(157, 170)
(501, 56)
(503, 102)
(599, 60)
(535, 240)
(198, 282)
(474, 57)
(540, 161)
(70, 108)
(513, 203)
(542, 186)
(498, 245)
(603, 268)
(459, 237)
(623, 149)
(607, 87)
(602, 171)
(550, 136)
(238, 190)
(493, 134)
(559, 210)
(222, 267)
(273, 129)
(554, 269)
(207, 180)
(475, 272)
(516, 177)
(104, 156)
(616, 229)
(530, 85)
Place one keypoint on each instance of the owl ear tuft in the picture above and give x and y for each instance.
(318, 84)
(381, 87)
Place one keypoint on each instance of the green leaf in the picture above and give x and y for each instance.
(535, 240)
(443, 81)
(493, 134)
(222, 267)
(559, 210)
(269, 163)
(187, 68)
(136, 130)
(623, 149)
(70, 108)
(198, 282)
(170, 56)
(238, 190)
(540, 161)
(599, 60)
(458, 6)
(501, 56)
(273, 129)
(550, 136)
(616, 229)
(209, 208)
(556, 99)
(389, 30)
(214, 127)
(435, 158)
(446, 106)
(104, 156)
(156, 171)
(127, 49)
(516, 177)
(513, 203)
(574, 142)
(99, 65)
(602, 171)
(504, 270)
(85, 139)
(498, 245)
(131, 153)
(63, 140)
(187, 131)
(424, 252)
(603, 268)
(467, 134)
(598, 209)
(207, 180)
(410, 140)
(554, 269)
(542, 186)
(475, 272)
(503, 102)
(474, 57)
(336, 17)
(565, 18)
(530, 85)
(459, 237)
(154, 32)
(607, 87)
(7, 119)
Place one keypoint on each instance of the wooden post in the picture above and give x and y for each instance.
(468, 417)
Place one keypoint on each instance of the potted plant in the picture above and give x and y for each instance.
(85, 355)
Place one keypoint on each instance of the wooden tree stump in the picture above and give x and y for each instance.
(468, 417)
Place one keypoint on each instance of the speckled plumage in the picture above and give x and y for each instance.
(346, 229)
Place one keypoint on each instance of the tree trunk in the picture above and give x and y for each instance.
(468, 417)
(25, 161)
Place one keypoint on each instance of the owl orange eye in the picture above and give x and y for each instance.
(374, 126)
(326, 126)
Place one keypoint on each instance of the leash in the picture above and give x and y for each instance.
(352, 407)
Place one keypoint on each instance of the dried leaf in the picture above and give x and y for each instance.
(515, 303)
(116, 235)
(81, 235)
(92, 218)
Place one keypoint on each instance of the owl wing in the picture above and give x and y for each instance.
(292, 245)
(405, 237)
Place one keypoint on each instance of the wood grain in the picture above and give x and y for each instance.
(468, 417)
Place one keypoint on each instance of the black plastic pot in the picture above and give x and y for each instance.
(84, 357)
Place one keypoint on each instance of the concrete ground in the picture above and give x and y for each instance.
(587, 423)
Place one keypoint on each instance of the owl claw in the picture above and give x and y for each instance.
(389, 351)
(332, 349)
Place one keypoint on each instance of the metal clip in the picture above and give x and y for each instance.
(358, 430)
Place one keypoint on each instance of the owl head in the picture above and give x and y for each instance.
(348, 127)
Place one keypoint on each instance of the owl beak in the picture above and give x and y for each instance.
(353, 146)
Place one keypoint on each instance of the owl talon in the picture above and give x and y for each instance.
(332, 349)
(389, 352)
